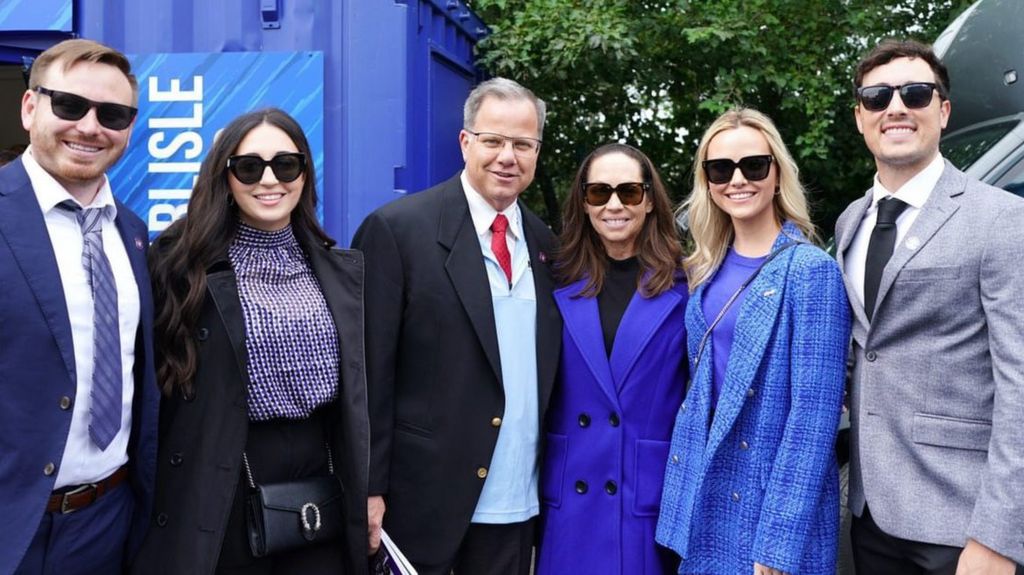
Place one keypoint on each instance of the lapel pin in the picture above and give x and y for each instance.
(913, 242)
(769, 293)
(138, 243)
(543, 257)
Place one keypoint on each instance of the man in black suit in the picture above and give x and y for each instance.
(462, 347)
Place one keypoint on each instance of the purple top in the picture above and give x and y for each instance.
(290, 335)
(735, 269)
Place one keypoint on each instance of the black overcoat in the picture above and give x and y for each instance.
(202, 436)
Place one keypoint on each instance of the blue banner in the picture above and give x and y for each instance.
(35, 15)
(184, 99)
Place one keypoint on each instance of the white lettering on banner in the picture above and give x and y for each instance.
(176, 140)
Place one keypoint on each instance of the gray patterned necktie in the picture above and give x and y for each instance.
(105, 414)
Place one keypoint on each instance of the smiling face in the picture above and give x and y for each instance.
(77, 152)
(748, 203)
(266, 205)
(903, 140)
(616, 224)
(500, 175)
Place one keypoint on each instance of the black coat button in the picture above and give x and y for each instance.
(610, 487)
(584, 420)
(581, 487)
(614, 419)
(871, 356)
(176, 459)
(202, 334)
(161, 520)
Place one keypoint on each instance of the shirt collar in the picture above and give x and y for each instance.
(483, 213)
(50, 193)
(917, 189)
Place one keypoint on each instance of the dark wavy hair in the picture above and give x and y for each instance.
(891, 49)
(180, 257)
(581, 253)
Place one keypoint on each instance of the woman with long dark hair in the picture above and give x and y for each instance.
(752, 484)
(622, 372)
(259, 339)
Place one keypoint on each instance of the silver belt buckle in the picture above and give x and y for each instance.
(65, 502)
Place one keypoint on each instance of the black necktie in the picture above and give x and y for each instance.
(883, 240)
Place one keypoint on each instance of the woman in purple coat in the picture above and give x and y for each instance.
(622, 373)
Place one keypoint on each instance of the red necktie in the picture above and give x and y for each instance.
(500, 247)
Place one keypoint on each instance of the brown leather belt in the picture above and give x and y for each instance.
(83, 496)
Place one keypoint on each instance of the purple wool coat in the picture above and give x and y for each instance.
(608, 435)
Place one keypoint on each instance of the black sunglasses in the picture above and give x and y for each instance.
(913, 95)
(754, 168)
(630, 193)
(72, 107)
(248, 169)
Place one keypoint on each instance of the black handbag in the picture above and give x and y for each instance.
(293, 514)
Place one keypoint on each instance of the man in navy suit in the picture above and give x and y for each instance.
(79, 409)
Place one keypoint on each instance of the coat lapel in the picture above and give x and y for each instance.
(583, 324)
(465, 268)
(934, 214)
(754, 326)
(641, 321)
(846, 229)
(549, 321)
(24, 229)
(223, 288)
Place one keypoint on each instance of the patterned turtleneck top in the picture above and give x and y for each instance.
(290, 334)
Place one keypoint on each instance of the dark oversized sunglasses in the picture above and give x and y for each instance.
(630, 193)
(754, 168)
(913, 95)
(72, 107)
(248, 169)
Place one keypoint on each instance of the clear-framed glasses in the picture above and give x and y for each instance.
(521, 146)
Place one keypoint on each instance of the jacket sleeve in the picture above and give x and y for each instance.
(818, 347)
(998, 518)
(384, 306)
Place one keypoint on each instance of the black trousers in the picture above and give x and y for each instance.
(280, 450)
(491, 549)
(878, 553)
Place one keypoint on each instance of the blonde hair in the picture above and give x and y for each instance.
(710, 227)
(71, 52)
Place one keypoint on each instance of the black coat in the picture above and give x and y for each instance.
(202, 437)
(433, 364)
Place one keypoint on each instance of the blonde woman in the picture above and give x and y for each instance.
(752, 483)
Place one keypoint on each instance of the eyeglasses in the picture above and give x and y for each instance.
(913, 95)
(72, 107)
(754, 168)
(520, 146)
(629, 193)
(248, 169)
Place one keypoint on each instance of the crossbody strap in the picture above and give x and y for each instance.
(248, 470)
(732, 299)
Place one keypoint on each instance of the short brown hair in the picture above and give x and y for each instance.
(892, 49)
(71, 52)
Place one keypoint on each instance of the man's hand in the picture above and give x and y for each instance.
(976, 559)
(375, 514)
(762, 570)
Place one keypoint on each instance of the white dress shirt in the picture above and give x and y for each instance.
(83, 461)
(915, 193)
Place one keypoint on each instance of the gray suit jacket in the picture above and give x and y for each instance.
(938, 385)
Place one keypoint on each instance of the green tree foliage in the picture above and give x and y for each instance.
(655, 73)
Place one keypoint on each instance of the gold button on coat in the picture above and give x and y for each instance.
(496, 422)
(481, 472)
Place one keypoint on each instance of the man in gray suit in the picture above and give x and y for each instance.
(931, 263)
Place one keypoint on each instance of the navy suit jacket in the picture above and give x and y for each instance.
(37, 368)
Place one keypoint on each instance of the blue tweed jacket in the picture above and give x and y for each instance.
(759, 483)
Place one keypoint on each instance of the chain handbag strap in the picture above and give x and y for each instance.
(252, 482)
(732, 299)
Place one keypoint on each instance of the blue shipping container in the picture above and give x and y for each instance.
(394, 76)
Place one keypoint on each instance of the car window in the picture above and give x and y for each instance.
(1013, 179)
(964, 148)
